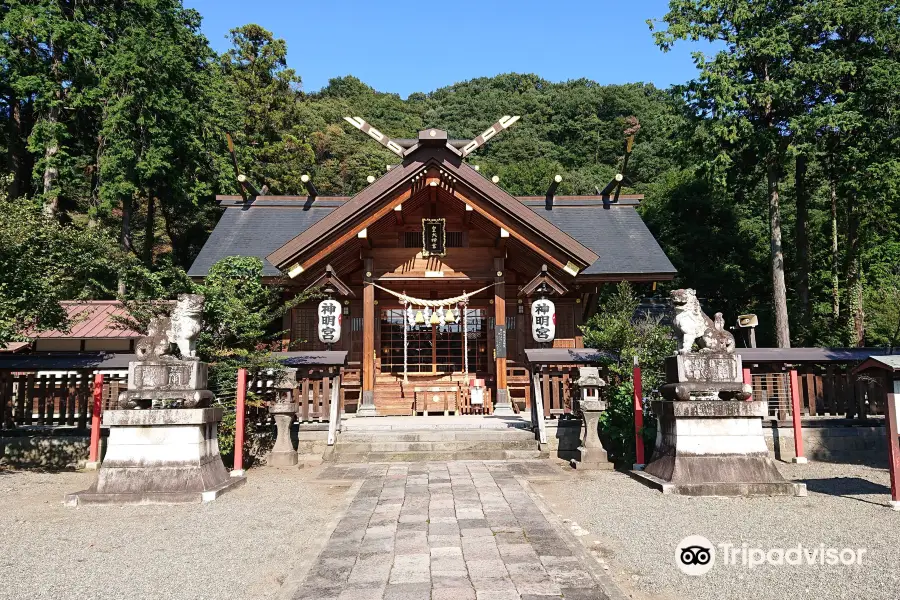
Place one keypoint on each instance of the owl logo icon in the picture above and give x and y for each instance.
(695, 555)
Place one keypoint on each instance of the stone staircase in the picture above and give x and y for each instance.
(434, 441)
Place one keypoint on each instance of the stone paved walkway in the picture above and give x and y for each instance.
(463, 530)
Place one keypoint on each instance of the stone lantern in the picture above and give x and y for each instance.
(593, 455)
(283, 409)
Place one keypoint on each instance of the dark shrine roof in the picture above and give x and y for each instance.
(617, 235)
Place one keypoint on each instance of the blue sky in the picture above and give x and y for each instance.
(403, 46)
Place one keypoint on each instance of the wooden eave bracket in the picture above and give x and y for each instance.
(543, 277)
(330, 277)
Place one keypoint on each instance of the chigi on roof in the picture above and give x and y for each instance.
(433, 227)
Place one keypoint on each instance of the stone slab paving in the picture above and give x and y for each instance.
(466, 530)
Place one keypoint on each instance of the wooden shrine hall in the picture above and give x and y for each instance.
(435, 269)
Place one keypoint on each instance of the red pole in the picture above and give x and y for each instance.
(748, 379)
(638, 412)
(893, 450)
(795, 412)
(94, 456)
(239, 420)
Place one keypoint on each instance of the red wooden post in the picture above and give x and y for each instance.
(240, 416)
(795, 412)
(638, 413)
(748, 379)
(893, 450)
(94, 455)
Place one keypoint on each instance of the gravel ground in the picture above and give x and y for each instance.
(637, 529)
(240, 546)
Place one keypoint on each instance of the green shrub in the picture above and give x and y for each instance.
(624, 335)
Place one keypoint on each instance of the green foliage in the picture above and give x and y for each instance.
(238, 333)
(42, 263)
(619, 331)
(116, 114)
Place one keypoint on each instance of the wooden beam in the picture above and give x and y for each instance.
(367, 401)
(351, 233)
(504, 122)
(502, 404)
(551, 192)
(531, 245)
(310, 186)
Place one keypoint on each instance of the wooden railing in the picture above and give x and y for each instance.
(313, 394)
(54, 398)
(824, 391)
(518, 382)
(556, 389)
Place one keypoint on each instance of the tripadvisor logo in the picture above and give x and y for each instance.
(696, 555)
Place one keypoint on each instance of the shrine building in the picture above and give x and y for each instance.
(437, 260)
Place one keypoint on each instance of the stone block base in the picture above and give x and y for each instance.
(713, 448)
(591, 459)
(282, 459)
(91, 497)
(160, 457)
(783, 488)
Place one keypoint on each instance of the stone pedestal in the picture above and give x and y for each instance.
(502, 406)
(366, 406)
(592, 454)
(166, 456)
(166, 382)
(713, 448)
(283, 453)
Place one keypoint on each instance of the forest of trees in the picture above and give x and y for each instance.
(771, 179)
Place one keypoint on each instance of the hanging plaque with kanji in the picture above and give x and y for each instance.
(543, 320)
(329, 321)
(434, 237)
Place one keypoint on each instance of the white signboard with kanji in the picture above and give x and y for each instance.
(543, 320)
(329, 321)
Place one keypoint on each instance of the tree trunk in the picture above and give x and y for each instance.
(779, 290)
(835, 258)
(150, 231)
(15, 148)
(125, 237)
(51, 169)
(802, 237)
(854, 278)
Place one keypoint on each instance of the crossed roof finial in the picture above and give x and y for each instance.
(504, 123)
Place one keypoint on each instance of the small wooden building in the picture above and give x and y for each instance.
(372, 245)
(92, 328)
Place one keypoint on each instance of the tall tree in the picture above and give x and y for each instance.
(271, 148)
(162, 133)
(747, 91)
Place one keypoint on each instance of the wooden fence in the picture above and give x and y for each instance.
(312, 394)
(830, 390)
(557, 383)
(54, 398)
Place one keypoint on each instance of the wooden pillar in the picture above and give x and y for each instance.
(795, 414)
(367, 404)
(502, 405)
(890, 412)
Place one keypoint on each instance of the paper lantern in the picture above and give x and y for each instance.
(329, 321)
(543, 320)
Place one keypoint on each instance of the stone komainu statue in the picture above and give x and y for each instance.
(691, 324)
(181, 328)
